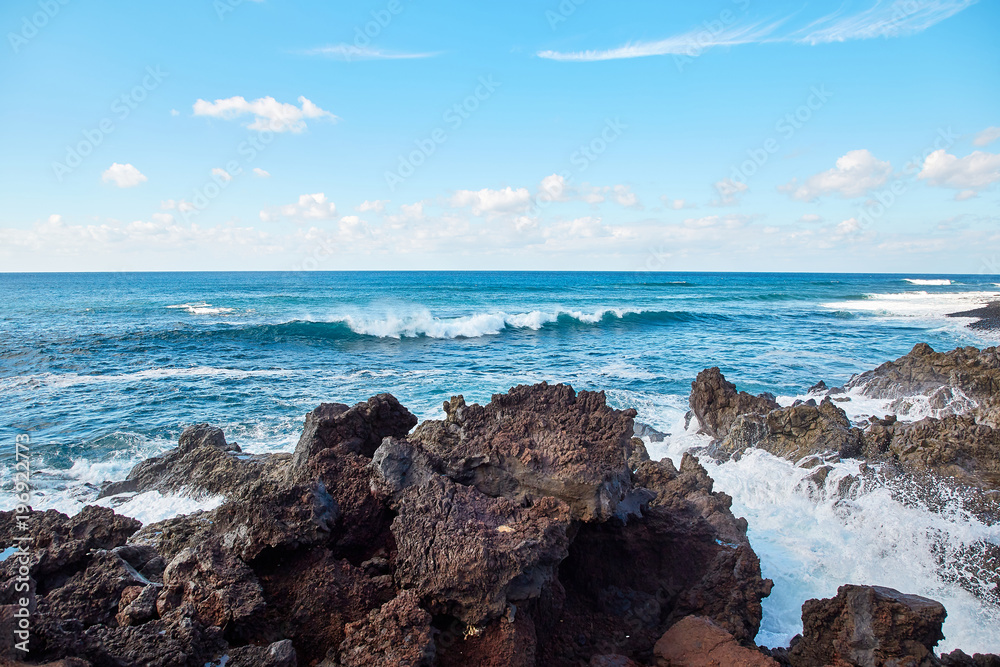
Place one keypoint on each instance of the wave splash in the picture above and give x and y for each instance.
(928, 281)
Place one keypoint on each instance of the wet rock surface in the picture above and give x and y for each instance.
(533, 530)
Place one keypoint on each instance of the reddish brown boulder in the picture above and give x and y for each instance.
(716, 404)
(695, 641)
(537, 441)
(485, 553)
(214, 584)
(868, 626)
(357, 430)
(398, 634)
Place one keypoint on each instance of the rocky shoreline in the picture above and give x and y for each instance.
(533, 530)
(988, 317)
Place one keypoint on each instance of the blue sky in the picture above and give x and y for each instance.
(729, 135)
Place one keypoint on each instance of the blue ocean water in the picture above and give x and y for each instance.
(103, 370)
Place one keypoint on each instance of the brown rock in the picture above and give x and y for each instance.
(278, 654)
(868, 626)
(795, 432)
(218, 587)
(537, 441)
(695, 641)
(357, 430)
(486, 553)
(716, 403)
(399, 634)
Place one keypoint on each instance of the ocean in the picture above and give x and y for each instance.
(104, 370)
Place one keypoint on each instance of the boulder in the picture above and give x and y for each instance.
(357, 430)
(695, 641)
(868, 626)
(716, 404)
(795, 432)
(398, 634)
(537, 441)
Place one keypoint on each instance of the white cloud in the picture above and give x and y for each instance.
(493, 202)
(268, 113)
(855, 173)
(222, 174)
(729, 192)
(676, 204)
(848, 227)
(377, 205)
(181, 205)
(554, 188)
(309, 207)
(896, 19)
(987, 136)
(175, 112)
(717, 221)
(349, 52)
(811, 217)
(970, 174)
(689, 44)
(260, 173)
(163, 233)
(123, 175)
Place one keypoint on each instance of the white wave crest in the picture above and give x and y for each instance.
(202, 308)
(810, 541)
(923, 281)
(918, 304)
(424, 323)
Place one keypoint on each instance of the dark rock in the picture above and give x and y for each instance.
(954, 446)
(641, 430)
(488, 553)
(312, 595)
(817, 388)
(955, 381)
(716, 403)
(796, 432)
(398, 634)
(357, 430)
(214, 586)
(959, 658)
(543, 440)
(868, 625)
(278, 654)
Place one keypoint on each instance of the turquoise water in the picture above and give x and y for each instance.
(103, 370)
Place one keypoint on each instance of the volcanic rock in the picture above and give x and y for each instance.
(695, 641)
(868, 626)
(398, 634)
(538, 441)
(716, 404)
(795, 432)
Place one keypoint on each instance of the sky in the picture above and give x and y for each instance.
(728, 135)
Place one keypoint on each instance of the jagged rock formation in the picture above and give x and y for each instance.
(530, 531)
(868, 625)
